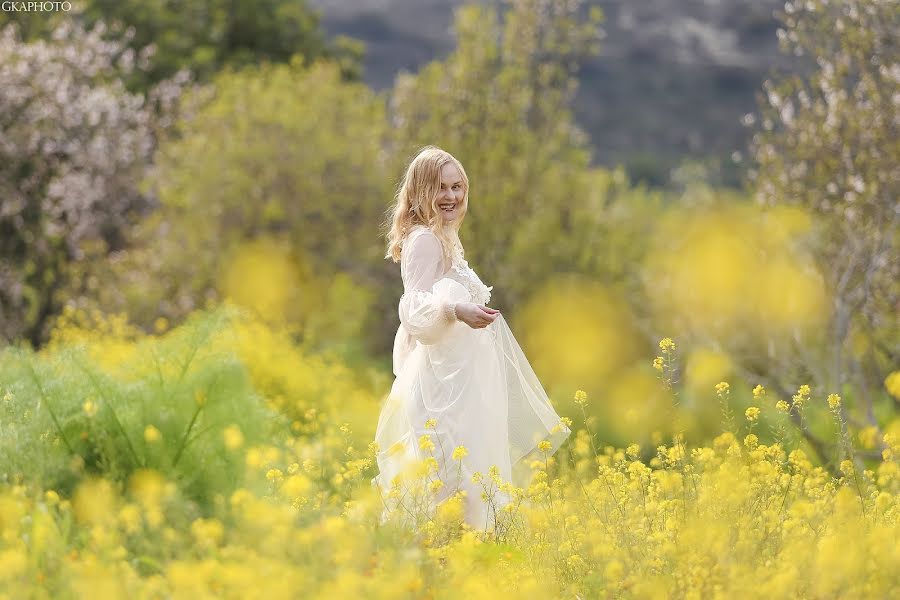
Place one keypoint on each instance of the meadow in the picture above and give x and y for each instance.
(213, 460)
(197, 313)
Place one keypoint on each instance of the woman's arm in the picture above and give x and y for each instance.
(424, 315)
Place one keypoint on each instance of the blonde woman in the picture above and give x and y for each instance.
(461, 377)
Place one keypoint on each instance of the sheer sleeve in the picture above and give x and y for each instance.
(422, 313)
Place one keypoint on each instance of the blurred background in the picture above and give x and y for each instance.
(721, 173)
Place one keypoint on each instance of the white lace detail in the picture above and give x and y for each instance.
(481, 293)
(461, 272)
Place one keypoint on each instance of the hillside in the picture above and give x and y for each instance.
(673, 79)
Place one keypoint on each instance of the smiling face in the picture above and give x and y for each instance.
(450, 198)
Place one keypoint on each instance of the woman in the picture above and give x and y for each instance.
(461, 377)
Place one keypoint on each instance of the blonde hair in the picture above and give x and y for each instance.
(415, 202)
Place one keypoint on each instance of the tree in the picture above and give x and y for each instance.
(73, 147)
(283, 153)
(829, 142)
(501, 104)
(205, 36)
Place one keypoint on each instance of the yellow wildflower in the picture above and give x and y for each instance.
(430, 423)
(460, 452)
(758, 392)
(234, 439)
(666, 344)
(722, 387)
(752, 413)
(152, 434)
(90, 408)
(425, 442)
(892, 384)
(436, 485)
(782, 406)
(580, 397)
(658, 363)
(545, 446)
(160, 324)
(834, 401)
(395, 449)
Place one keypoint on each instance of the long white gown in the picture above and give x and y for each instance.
(475, 383)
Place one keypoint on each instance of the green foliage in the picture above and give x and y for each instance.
(205, 36)
(828, 142)
(501, 103)
(73, 146)
(76, 410)
(284, 152)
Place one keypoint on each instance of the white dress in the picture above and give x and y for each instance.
(475, 383)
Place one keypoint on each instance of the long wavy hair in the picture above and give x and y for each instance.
(415, 202)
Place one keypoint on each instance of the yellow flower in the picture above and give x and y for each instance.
(207, 532)
(477, 477)
(751, 441)
(152, 434)
(633, 450)
(425, 442)
(834, 401)
(234, 439)
(658, 363)
(722, 387)
(436, 485)
(782, 406)
(274, 475)
(90, 408)
(666, 344)
(758, 392)
(544, 446)
(892, 384)
(460, 452)
(752, 413)
(430, 423)
(494, 474)
(581, 397)
(160, 324)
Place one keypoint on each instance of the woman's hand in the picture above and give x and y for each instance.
(476, 316)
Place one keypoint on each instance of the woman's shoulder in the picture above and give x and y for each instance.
(417, 231)
(424, 241)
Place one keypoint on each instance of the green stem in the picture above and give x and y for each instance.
(108, 404)
(56, 424)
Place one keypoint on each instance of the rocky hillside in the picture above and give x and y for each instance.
(672, 82)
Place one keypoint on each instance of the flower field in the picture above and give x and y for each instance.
(217, 460)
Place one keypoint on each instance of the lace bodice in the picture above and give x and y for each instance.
(427, 308)
(464, 274)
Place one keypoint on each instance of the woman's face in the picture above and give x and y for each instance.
(452, 192)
